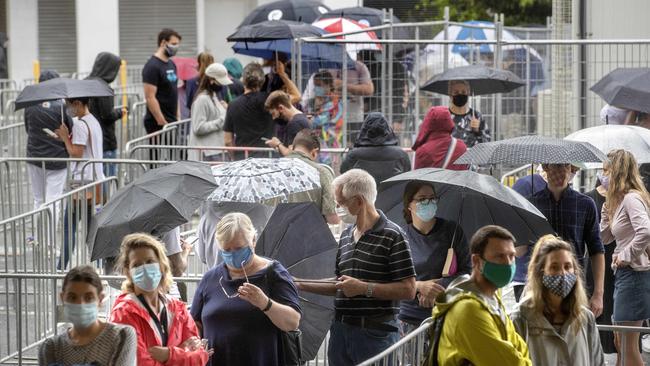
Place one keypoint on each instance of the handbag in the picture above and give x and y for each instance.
(451, 262)
(290, 343)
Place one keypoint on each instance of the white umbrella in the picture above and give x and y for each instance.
(609, 137)
(339, 25)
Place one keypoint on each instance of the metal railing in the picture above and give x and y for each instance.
(13, 139)
(410, 350)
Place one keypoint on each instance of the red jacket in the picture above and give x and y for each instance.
(128, 310)
(434, 139)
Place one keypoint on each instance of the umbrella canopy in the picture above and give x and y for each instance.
(62, 88)
(187, 67)
(297, 236)
(482, 80)
(157, 202)
(609, 137)
(627, 88)
(339, 25)
(297, 10)
(532, 149)
(471, 199)
(268, 181)
(273, 30)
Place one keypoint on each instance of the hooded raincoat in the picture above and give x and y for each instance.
(548, 347)
(105, 68)
(376, 150)
(130, 311)
(434, 140)
(473, 332)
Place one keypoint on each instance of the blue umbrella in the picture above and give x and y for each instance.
(324, 55)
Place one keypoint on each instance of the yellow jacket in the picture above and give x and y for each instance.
(473, 333)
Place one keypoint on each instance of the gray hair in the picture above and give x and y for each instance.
(357, 182)
(232, 224)
(253, 76)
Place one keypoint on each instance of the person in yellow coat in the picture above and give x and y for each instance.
(476, 328)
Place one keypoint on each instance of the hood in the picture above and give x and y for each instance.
(437, 122)
(48, 75)
(375, 131)
(106, 67)
(459, 289)
(234, 67)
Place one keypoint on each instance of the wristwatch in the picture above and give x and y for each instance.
(370, 289)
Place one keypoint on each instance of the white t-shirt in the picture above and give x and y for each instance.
(96, 151)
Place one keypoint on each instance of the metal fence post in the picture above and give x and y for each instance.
(344, 98)
(390, 67)
(498, 65)
(416, 67)
(446, 33)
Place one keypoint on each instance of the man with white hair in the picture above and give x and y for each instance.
(374, 271)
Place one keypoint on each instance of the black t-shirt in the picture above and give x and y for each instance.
(247, 119)
(163, 75)
(287, 132)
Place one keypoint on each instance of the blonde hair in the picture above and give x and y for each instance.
(574, 303)
(624, 177)
(137, 241)
(232, 224)
(456, 82)
(204, 59)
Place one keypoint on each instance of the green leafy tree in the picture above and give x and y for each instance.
(516, 12)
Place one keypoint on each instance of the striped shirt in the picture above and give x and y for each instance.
(381, 255)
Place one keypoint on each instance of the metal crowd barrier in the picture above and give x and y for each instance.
(13, 139)
(410, 350)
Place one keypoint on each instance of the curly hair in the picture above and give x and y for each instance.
(141, 240)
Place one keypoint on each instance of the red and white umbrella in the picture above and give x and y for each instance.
(344, 25)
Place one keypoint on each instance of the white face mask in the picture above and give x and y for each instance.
(345, 215)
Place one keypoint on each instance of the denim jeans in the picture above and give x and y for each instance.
(110, 169)
(350, 345)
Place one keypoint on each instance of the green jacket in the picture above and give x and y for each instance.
(473, 333)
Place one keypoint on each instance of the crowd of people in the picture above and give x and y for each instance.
(388, 278)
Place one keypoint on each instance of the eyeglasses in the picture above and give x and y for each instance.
(236, 294)
(426, 200)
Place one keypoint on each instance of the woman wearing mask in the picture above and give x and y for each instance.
(165, 331)
(244, 303)
(89, 341)
(209, 113)
(469, 124)
(432, 241)
(625, 219)
(553, 317)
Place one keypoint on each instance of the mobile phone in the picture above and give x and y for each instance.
(191, 239)
(50, 132)
(264, 139)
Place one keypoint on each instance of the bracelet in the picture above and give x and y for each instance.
(268, 305)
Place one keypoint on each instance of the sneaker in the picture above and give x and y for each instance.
(645, 343)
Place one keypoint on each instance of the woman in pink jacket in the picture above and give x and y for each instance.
(167, 334)
(435, 147)
(625, 218)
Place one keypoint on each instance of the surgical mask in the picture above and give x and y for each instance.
(147, 276)
(80, 315)
(171, 50)
(345, 215)
(71, 111)
(459, 100)
(215, 87)
(237, 258)
(560, 285)
(426, 211)
(604, 180)
(499, 274)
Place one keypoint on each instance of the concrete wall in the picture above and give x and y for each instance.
(97, 30)
(22, 30)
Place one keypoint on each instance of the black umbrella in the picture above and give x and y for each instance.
(62, 88)
(482, 80)
(627, 88)
(532, 149)
(297, 10)
(297, 236)
(157, 202)
(471, 199)
(274, 30)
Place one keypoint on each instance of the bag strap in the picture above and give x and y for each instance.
(161, 323)
(450, 152)
(90, 142)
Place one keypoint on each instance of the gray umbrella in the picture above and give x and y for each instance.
(471, 199)
(482, 80)
(532, 149)
(155, 203)
(62, 88)
(627, 88)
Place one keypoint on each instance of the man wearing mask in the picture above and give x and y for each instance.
(160, 83)
(476, 328)
(289, 121)
(469, 124)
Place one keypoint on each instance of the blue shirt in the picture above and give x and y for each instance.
(574, 218)
(529, 185)
(240, 333)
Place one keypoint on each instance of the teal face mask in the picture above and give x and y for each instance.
(499, 274)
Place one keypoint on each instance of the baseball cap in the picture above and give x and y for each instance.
(218, 72)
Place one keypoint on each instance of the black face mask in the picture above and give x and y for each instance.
(459, 100)
(215, 87)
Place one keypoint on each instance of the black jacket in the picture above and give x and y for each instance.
(106, 67)
(376, 150)
(46, 115)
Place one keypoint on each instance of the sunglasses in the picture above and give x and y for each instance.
(236, 294)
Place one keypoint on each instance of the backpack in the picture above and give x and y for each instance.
(434, 335)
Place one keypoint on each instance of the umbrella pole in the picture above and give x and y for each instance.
(532, 179)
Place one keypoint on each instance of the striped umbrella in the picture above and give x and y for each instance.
(339, 25)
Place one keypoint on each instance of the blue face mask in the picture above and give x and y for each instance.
(237, 258)
(80, 315)
(426, 211)
(147, 276)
